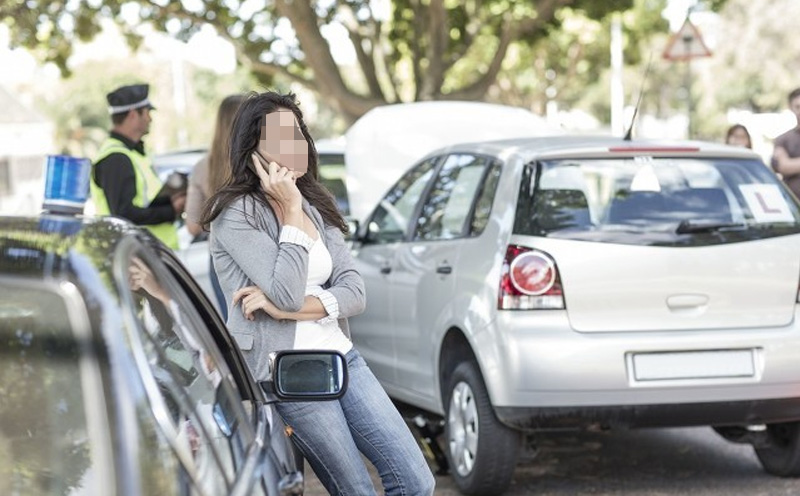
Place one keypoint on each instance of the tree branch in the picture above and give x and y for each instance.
(509, 32)
(470, 30)
(239, 48)
(365, 60)
(318, 55)
(438, 33)
(416, 49)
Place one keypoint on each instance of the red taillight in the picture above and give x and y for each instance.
(529, 280)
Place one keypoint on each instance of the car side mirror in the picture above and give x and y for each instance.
(352, 229)
(307, 375)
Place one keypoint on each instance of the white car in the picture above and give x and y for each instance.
(574, 282)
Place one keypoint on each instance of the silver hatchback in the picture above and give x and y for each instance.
(577, 282)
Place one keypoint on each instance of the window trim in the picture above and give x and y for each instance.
(408, 232)
(155, 400)
(466, 230)
(492, 161)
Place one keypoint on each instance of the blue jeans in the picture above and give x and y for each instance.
(332, 434)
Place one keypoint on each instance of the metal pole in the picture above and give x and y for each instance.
(687, 42)
(617, 94)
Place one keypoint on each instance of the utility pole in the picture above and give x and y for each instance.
(687, 43)
(617, 91)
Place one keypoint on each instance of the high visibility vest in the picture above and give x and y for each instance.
(147, 187)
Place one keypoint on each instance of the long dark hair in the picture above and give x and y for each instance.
(245, 136)
(219, 168)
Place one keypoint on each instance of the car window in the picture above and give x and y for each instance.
(660, 201)
(445, 210)
(45, 438)
(483, 207)
(192, 382)
(332, 174)
(391, 218)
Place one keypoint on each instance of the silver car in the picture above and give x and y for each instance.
(573, 282)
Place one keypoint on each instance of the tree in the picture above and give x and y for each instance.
(571, 65)
(405, 50)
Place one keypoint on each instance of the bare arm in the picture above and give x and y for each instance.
(786, 165)
(253, 299)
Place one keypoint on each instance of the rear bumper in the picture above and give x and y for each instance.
(660, 415)
(540, 373)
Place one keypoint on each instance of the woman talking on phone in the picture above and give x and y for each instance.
(278, 248)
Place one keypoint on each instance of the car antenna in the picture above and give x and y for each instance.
(629, 132)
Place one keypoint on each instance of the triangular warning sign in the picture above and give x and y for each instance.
(686, 44)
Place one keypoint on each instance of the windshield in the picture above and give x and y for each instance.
(44, 440)
(655, 201)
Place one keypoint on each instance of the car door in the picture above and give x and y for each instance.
(385, 230)
(197, 404)
(424, 271)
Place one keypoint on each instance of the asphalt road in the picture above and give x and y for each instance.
(693, 461)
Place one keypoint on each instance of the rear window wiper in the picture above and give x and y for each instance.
(688, 226)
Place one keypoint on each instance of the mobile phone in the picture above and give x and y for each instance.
(264, 159)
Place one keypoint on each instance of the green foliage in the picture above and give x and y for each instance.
(417, 50)
(79, 109)
(570, 65)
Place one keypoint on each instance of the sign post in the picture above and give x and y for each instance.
(687, 44)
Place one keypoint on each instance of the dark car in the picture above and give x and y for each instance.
(118, 376)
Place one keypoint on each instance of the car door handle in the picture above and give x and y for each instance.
(444, 269)
(385, 269)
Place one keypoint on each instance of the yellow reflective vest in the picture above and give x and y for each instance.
(147, 187)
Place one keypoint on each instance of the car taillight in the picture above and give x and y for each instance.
(529, 280)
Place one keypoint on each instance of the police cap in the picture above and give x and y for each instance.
(127, 98)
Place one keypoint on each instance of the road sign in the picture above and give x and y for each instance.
(686, 44)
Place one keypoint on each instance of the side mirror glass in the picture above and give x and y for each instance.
(352, 229)
(309, 375)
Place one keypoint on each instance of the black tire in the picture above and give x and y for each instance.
(481, 451)
(782, 456)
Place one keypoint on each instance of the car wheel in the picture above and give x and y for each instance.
(782, 456)
(482, 452)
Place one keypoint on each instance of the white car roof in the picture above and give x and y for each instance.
(578, 146)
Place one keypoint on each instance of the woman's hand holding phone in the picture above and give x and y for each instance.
(279, 184)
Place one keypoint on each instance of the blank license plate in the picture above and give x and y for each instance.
(693, 365)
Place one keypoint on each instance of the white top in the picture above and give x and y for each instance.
(323, 334)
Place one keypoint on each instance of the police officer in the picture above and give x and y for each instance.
(123, 180)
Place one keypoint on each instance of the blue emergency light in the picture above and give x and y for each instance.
(66, 186)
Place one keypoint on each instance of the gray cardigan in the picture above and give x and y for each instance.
(246, 256)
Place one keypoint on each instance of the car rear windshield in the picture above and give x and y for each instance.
(655, 201)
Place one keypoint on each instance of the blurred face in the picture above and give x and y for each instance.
(283, 142)
(739, 137)
(794, 106)
(143, 120)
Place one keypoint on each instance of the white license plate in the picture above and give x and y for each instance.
(693, 365)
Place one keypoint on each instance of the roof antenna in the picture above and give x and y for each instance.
(629, 132)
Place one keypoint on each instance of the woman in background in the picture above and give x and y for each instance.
(207, 178)
(738, 135)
